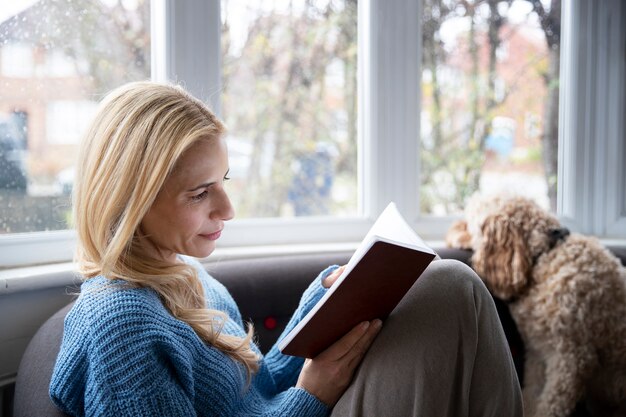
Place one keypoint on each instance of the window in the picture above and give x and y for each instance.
(17, 60)
(58, 58)
(289, 99)
(67, 120)
(490, 93)
(392, 122)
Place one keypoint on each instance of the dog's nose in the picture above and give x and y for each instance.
(557, 234)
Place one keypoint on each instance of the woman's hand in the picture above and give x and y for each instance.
(330, 279)
(328, 375)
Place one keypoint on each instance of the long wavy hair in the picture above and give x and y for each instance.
(139, 132)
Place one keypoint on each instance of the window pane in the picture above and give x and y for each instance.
(57, 59)
(490, 88)
(289, 101)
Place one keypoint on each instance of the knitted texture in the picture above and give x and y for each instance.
(124, 354)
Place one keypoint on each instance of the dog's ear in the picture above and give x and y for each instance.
(502, 259)
(458, 236)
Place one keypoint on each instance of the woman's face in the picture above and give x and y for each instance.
(189, 212)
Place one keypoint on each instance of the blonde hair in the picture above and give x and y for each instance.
(139, 132)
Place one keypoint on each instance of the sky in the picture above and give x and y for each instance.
(9, 8)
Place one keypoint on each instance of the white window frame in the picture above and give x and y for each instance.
(592, 198)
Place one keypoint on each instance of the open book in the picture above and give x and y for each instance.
(388, 261)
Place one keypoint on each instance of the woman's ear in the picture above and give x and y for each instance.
(502, 259)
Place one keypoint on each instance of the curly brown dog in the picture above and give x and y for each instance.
(567, 295)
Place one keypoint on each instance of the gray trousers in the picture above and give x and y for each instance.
(442, 352)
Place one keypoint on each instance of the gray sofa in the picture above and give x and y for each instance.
(267, 290)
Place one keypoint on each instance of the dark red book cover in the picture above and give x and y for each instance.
(372, 289)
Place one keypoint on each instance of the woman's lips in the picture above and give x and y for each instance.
(212, 236)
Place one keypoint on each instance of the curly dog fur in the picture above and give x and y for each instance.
(567, 297)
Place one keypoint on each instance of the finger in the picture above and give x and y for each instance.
(360, 348)
(342, 346)
(330, 280)
(337, 273)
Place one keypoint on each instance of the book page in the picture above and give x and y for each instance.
(392, 226)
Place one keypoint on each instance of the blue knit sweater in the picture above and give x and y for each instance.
(124, 354)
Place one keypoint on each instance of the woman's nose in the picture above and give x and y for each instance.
(224, 208)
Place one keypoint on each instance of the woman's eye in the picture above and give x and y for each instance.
(226, 178)
(200, 196)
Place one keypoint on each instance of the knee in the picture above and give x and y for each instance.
(455, 277)
(453, 270)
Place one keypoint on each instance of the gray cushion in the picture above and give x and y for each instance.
(33, 375)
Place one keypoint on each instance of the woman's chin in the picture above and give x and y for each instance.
(202, 251)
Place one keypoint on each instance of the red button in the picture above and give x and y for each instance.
(270, 323)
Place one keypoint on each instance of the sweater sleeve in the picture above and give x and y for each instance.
(285, 369)
(130, 367)
(292, 402)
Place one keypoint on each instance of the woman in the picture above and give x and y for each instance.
(153, 334)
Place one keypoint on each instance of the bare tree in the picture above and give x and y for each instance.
(550, 20)
(113, 42)
(285, 59)
(452, 157)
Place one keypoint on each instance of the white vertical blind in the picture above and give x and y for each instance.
(592, 183)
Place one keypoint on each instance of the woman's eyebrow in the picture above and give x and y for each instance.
(206, 184)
